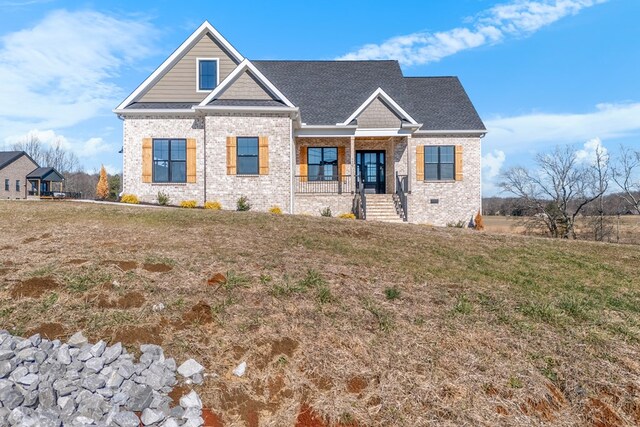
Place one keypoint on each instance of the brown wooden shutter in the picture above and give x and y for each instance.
(458, 161)
(420, 163)
(147, 159)
(191, 160)
(231, 155)
(263, 154)
(342, 166)
(304, 171)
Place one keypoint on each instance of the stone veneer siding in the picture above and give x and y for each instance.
(262, 191)
(458, 200)
(138, 128)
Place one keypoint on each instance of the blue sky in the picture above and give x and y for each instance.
(540, 72)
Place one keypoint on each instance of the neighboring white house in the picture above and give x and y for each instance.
(211, 125)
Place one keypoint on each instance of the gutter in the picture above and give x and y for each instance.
(481, 132)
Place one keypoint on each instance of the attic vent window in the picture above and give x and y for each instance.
(207, 74)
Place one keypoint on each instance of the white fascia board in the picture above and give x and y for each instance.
(241, 68)
(142, 111)
(451, 132)
(383, 132)
(379, 93)
(171, 60)
(245, 108)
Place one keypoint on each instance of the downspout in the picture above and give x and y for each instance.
(204, 158)
(293, 167)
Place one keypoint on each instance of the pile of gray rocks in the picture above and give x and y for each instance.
(51, 384)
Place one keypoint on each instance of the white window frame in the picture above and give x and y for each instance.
(198, 74)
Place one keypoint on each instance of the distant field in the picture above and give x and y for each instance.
(627, 229)
(341, 323)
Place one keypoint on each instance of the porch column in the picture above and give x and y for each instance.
(408, 165)
(393, 165)
(39, 188)
(352, 155)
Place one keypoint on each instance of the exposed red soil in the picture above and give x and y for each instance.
(157, 268)
(178, 392)
(502, 410)
(286, 346)
(135, 335)
(199, 313)
(237, 401)
(357, 384)
(129, 300)
(49, 330)
(546, 407)
(217, 279)
(602, 415)
(34, 287)
(307, 417)
(122, 265)
(211, 419)
(322, 382)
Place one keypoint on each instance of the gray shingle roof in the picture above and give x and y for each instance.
(161, 105)
(328, 92)
(45, 172)
(7, 157)
(441, 103)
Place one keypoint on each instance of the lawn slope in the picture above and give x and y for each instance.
(346, 322)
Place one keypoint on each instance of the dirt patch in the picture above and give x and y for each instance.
(307, 417)
(601, 415)
(239, 402)
(49, 330)
(34, 287)
(285, 346)
(211, 419)
(129, 300)
(30, 240)
(157, 268)
(76, 261)
(322, 382)
(357, 384)
(217, 279)
(45, 236)
(122, 265)
(7, 248)
(8, 263)
(4, 271)
(178, 392)
(199, 313)
(135, 335)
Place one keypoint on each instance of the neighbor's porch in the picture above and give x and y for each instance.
(48, 183)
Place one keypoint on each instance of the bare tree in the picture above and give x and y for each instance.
(557, 190)
(626, 174)
(599, 222)
(56, 156)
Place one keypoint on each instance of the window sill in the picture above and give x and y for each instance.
(439, 181)
(246, 175)
(169, 184)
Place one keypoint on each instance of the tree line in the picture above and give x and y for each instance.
(563, 187)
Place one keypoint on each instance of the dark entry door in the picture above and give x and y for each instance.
(371, 170)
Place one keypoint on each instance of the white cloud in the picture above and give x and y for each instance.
(491, 167)
(61, 71)
(589, 151)
(539, 130)
(87, 149)
(516, 19)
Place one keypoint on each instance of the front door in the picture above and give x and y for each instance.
(371, 170)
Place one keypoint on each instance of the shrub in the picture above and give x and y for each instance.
(102, 189)
(275, 209)
(243, 204)
(347, 216)
(326, 212)
(459, 224)
(392, 293)
(214, 206)
(479, 222)
(163, 198)
(129, 198)
(188, 204)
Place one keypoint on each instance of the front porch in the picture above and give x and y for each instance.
(339, 172)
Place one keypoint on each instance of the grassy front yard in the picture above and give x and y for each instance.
(367, 324)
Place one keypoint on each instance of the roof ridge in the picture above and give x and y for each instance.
(431, 77)
(346, 61)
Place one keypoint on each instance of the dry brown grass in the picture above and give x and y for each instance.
(489, 329)
(624, 230)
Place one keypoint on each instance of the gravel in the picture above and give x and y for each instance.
(54, 384)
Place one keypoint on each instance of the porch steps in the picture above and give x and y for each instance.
(381, 207)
